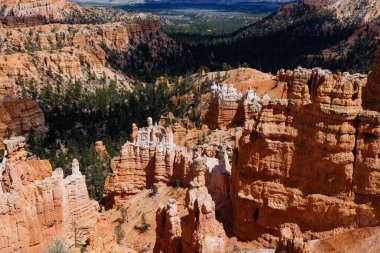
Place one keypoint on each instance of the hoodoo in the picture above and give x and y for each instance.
(38, 204)
(239, 160)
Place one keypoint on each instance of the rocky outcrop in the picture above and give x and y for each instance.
(307, 157)
(150, 159)
(18, 115)
(356, 240)
(371, 91)
(38, 205)
(101, 150)
(153, 159)
(290, 243)
(33, 8)
(366, 179)
(199, 231)
(168, 231)
(228, 107)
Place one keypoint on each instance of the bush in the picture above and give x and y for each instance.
(153, 191)
(57, 247)
(124, 214)
(119, 233)
(144, 225)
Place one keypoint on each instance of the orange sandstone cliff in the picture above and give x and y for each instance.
(152, 158)
(307, 160)
(38, 205)
(38, 55)
(198, 231)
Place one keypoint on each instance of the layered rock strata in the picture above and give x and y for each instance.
(50, 8)
(19, 115)
(168, 230)
(229, 108)
(309, 157)
(36, 56)
(153, 159)
(371, 92)
(19, 13)
(357, 240)
(38, 205)
(199, 231)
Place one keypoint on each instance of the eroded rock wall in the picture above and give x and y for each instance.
(18, 115)
(153, 159)
(196, 232)
(307, 158)
(229, 108)
(30, 8)
(76, 52)
(38, 205)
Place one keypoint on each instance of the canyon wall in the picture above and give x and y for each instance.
(77, 52)
(308, 157)
(38, 204)
(50, 8)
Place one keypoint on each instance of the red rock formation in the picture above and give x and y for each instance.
(305, 157)
(199, 231)
(371, 91)
(36, 206)
(149, 160)
(18, 115)
(289, 243)
(228, 107)
(77, 52)
(101, 150)
(356, 240)
(51, 9)
(366, 179)
(153, 158)
(168, 229)
(223, 107)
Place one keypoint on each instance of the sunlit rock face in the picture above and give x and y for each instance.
(229, 108)
(38, 204)
(152, 158)
(309, 159)
(75, 52)
(34, 12)
(29, 8)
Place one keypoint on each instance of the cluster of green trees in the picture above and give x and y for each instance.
(149, 58)
(77, 119)
(281, 40)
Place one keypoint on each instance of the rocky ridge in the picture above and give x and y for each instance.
(41, 11)
(72, 53)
